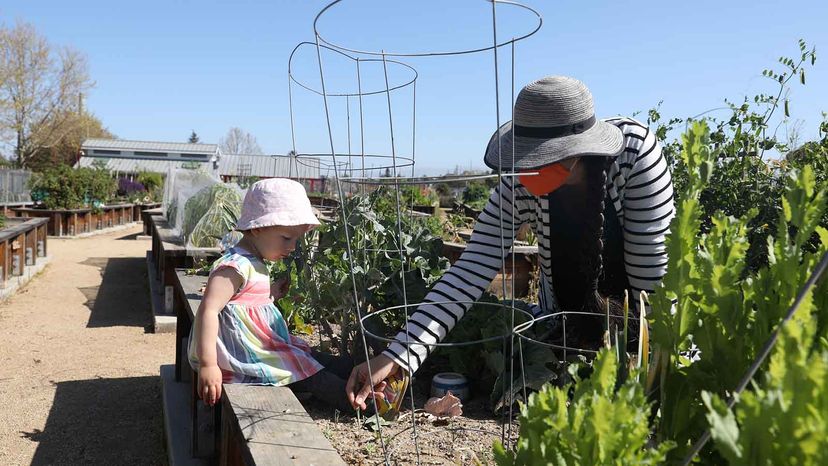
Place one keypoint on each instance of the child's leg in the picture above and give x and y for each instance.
(327, 387)
(340, 365)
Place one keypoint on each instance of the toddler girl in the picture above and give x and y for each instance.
(239, 335)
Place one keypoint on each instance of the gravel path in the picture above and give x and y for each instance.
(78, 367)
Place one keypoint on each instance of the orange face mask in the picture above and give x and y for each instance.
(547, 179)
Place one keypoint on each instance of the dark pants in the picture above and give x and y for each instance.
(328, 385)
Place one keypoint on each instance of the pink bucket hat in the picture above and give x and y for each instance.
(276, 201)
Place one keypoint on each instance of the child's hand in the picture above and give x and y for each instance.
(280, 287)
(209, 384)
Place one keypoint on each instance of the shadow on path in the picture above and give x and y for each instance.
(122, 298)
(103, 421)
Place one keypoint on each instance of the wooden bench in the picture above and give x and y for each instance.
(253, 425)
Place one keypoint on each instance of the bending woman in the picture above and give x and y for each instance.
(600, 205)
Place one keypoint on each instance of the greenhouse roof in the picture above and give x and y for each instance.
(134, 165)
(267, 166)
(152, 146)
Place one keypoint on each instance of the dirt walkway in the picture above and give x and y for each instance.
(78, 370)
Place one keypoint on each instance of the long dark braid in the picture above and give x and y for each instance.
(577, 247)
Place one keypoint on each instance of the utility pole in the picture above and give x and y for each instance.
(80, 113)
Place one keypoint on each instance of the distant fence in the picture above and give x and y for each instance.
(14, 186)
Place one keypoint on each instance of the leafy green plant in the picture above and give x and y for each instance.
(382, 278)
(745, 177)
(210, 214)
(599, 419)
(153, 182)
(783, 419)
(223, 210)
(62, 187)
(413, 195)
(716, 297)
(98, 185)
(453, 225)
(476, 195)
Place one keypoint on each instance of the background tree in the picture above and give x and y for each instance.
(193, 138)
(66, 149)
(238, 141)
(40, 91)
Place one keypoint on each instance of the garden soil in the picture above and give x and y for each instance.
(78, 365)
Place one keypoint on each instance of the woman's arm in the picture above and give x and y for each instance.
(464, 281)
(221, 287)
(648, 208)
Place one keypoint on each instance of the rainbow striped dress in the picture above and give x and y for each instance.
(253, 344)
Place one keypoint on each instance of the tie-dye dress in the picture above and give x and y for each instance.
(253, 344)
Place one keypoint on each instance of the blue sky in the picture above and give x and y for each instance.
(164, 68)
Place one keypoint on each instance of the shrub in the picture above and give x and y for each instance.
(151, 181)
(62, 187)
(476, 195)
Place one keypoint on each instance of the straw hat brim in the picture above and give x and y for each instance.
(602, 139)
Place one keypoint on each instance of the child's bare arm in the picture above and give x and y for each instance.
(280, 288)
(221, 286)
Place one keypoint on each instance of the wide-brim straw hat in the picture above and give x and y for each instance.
(554, 119)
(276, 202)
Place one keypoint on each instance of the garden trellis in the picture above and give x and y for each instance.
(354, 171)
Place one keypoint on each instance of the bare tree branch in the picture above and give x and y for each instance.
(238, 141)
(39, 90)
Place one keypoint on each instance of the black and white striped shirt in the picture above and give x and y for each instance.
(640, 188)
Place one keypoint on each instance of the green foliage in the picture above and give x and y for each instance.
(290, 305)
(745, 177)
(210, 214)
(783, 419)
(413, 195)
(99, 184)
(476, 195)
(153, 182)
(382, 278)
(453, 225)
(604, 421)
(716, 297)
(223, 210)
(62, 187)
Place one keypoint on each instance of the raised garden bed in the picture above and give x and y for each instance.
(466, 210)
(323, 201)
(147, 221)
(72, 222)
(426, 209)
(22, 245)
(168, 253)
(525, 264)
(269, 425)
(139, 209)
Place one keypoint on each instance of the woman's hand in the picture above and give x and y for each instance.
(209, 384)
(280, 287)
(360, 386)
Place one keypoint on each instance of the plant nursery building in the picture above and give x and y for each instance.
(128, 158)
